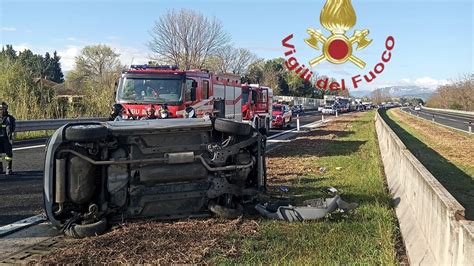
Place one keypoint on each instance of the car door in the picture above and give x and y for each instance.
(287, 114)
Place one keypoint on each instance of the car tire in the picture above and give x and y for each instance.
(232, 127)
(87, 230)
(92, 132)
(225, 212)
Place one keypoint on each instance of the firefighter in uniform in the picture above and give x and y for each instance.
(117, 111)
(7, 127)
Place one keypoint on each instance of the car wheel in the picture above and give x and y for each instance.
(86, 132)
(232, 127)
(225, 212)
(87, 230)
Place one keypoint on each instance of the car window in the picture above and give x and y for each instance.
(187, 92)
(205, 89)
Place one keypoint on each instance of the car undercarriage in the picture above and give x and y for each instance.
(100, 173)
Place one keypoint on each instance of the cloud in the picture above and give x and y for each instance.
(127, 53)
(21, 47)
(423, 82)
(71, 38)
(68, 56)
(7, 29)
(429, 82)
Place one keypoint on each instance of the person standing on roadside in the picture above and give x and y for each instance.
(7, 127)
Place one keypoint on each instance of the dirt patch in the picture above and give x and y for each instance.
(190, 241)
(451, 145)
(281, 166)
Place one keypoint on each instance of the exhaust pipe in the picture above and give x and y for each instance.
(60, 190)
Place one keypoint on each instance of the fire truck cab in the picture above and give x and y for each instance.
(257, 105)
(177, 93)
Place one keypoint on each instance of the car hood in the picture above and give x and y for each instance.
(275, 113)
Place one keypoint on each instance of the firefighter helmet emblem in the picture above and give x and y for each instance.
(338, 16)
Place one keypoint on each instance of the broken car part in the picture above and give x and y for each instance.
(314, 209)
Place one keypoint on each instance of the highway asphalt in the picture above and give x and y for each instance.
(21, 195)
(457, 121)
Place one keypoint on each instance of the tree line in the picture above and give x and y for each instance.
(457, 96)
(179, 37)
(21, 82)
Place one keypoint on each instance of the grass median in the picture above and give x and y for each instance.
(446, 153)
(342, 154)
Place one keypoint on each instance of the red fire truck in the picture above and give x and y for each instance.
(257, 105)
(176, 93)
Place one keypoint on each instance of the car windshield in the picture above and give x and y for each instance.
(278, 108)
(150, 90)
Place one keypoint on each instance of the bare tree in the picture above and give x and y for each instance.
(379, 97)
(231, 60)
(457, 95)
(186, 38)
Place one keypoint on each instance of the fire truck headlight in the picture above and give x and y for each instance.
(189, 112)
(164, 114)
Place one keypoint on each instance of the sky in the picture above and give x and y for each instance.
(434, 39)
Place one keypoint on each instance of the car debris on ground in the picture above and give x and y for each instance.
(312, 209)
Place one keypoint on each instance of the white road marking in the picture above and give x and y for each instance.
(13, 227)
(29, 147)
(278, 140)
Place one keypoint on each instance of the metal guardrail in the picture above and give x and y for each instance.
(449, 111)
(51, 124)
(469, 124)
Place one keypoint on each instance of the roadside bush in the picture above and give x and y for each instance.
(27, 100)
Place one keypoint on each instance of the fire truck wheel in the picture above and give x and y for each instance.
(232, 127)
(86, 133)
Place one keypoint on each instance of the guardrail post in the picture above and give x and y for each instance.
(298, 122)
(470, 127)
(336, 114)
(433, 119)
(322, 118)
(418, 113)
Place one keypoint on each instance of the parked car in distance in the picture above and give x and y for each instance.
(297, 109)
(329, 110)
(417, 108)
(281, 115)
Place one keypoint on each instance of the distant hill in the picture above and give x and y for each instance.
(399, 91)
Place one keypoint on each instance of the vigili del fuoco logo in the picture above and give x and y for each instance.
(337, 16)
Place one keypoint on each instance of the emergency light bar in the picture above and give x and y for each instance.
(138, 67)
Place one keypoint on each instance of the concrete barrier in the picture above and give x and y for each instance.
(432, 221)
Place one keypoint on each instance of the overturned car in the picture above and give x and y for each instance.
(98, 173)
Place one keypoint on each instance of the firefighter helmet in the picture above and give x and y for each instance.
(117, 108)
